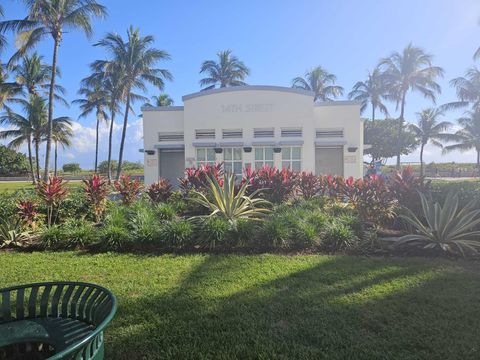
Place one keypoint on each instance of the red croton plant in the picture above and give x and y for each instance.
(27, 212)
(96, 189)
(160, 191)
(196, 178)
(52, 193)
(128, 188)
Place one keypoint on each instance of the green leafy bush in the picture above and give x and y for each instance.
(465, 190)
(214, 231)
(338, 237)
(177, 233)
(165, 211)
(145, 224)
(275, 232)
(244, 232)
(115, 237)
(79, 233)
(54, 237)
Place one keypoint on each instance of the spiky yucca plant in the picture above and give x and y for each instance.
(224, 201)
(450, 227)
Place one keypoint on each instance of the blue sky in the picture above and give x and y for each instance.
(278, 40)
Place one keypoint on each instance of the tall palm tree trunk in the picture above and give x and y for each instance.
(478, 162)
(421, 159)
(96, 145)
(50, 109)
(400, 130)
(373, 114)
(124, 131)
(56, 158)
(37, 160)
(30, 160)
(110, 140)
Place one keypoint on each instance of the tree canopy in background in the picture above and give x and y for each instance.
(12, 162)
(382, 136)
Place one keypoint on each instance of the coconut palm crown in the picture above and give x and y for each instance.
(320, 82)
(371, 92)
(226, 71)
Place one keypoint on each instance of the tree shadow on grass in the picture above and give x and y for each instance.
(334, 308)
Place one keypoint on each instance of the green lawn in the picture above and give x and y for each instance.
(10, 186)
(272, 306)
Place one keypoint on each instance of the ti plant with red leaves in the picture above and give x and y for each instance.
(27, 212)
(52, 193)
(128, 188)
(160, 191)
(96, 188)
(197, 178)
(406, 187)
(309, 184)
(370, 197)
(271, 183)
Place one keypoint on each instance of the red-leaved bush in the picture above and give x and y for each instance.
(27, 212)
(52, 193)
(271, 183)
(371, 198)
(128, 188)
(309, 184)
(196, 178)
(160, 191)
(405, 187)
(96, 189)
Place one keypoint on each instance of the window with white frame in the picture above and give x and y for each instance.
(205, 156)
(263, 157)
(232, 160)
(292, 158)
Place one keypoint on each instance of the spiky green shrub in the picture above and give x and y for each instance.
(214, 231)
(11, 232)
(222, 199)
(450, 228)
(177, 233)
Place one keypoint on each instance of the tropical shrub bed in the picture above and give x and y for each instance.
(266, 210)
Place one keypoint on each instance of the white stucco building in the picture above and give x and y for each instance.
(253, 126)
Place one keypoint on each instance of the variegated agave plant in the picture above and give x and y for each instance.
(225, 201)
(450, 227)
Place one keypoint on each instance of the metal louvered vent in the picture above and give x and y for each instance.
(329, 133)
(170, 136)
(291, 132)
(264, 133)
(232, 133)
(204, 134)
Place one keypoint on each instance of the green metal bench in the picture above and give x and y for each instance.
(54, 320)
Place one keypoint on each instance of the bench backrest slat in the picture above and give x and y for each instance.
(6, 310)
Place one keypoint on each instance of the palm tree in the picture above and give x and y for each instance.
(228, 70)
(33, 75)
(430, 130)
(136, 59)
(162, 100)
(410, 70)
(8, 90)
(468, 137)
(320, 82)
(29, 128)
(371, 92)
(3, 40)
(61, 135)
(52, 17)
(468, 89)
(95, 99)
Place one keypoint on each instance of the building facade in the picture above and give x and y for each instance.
(253, 126)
